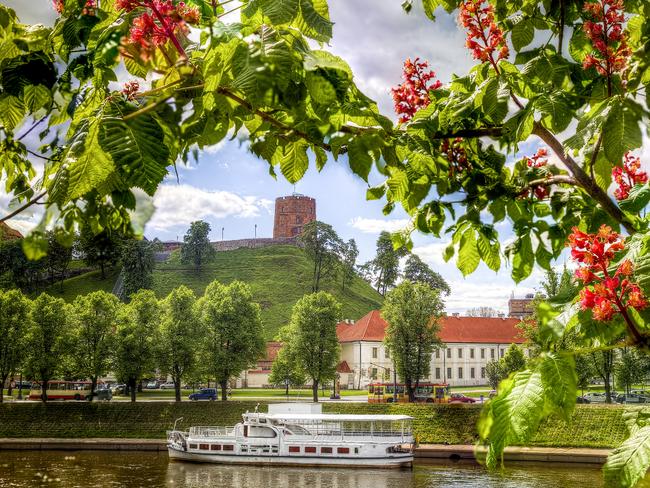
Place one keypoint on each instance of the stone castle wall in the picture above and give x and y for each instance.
(251, 243)
(291, 214)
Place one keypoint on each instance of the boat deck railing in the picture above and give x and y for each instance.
(330, 435)
(202, 431)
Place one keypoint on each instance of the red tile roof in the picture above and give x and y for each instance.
(482, 330)
(8, 234)
(343, 367)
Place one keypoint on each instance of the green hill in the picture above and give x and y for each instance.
(278, 276)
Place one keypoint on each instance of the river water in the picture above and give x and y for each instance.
(150, 470)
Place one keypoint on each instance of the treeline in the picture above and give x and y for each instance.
(216, 336)
(95, 250)
(336, 259)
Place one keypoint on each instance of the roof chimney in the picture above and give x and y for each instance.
(455, 314)
(502, 315)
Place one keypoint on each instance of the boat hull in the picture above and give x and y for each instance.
(397, 461)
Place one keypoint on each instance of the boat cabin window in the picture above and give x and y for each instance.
(255, 431)
(296, 430)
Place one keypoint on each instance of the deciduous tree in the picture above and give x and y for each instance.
(137, 259)
(196, 249)
(482, 312)
(137, 339)
(94, 321)
(180, 336)
(413, 312)
(310, 338)
(47, 340)
(323, 245)
(234, 338)
(417, 271)
(286, 371)
(348, 259)
(100, 249)
(14, 324)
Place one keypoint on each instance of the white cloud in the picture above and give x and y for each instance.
(465, 295)
(182, 204)
(432, 253)
(375, 226)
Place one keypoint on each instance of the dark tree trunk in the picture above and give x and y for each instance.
(410, 390)
(101, 266)
(2, 387)
(44, 391)
(132, 387)
(10, 390)
(177, 389)
(286, 389)
(224, 389)
(314, 391)
(93, 387)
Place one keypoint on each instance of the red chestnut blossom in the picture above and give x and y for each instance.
(628, 176)
(413, 94)
(605, 30)
(89, 8)
(456, 155)
(161, 21)
(130, 89)
(539, 160)
(604, 294)
(484, 37)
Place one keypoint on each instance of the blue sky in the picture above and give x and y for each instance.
(231, 188)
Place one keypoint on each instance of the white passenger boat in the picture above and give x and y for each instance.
(299, 434)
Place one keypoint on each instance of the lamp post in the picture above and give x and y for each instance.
(20, 387)
(255, 231)
(394, 379)
(222, 229)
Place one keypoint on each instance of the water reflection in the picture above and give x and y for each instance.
(123, 469)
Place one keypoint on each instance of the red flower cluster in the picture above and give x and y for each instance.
(539, 160)
(628, 176)
(413, 94)
(89, 8)
(605, 30)
(456, 155)
(130, 89)
(161, 22)
(605, 295)
(484, 36)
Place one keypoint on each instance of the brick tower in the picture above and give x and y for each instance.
(291, 213)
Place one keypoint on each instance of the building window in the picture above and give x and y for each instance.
(387, 353)
(448, 373)
(471, 353)
(448, 353)
(482, 372)
(437, 353)
(374, 353)
(501, 353)
(460, 373)
(437, 373)
(460, 352)
(471, 373)
(491, 353)
(374, 373)
(482, 353)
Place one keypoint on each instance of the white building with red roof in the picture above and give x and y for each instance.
(469, 343)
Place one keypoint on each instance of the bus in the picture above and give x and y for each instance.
(425, 393)
(62, 390)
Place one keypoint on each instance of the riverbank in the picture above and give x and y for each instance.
(591, 426)
(424, 452)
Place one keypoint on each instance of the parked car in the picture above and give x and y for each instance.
(204, 394)
(152, 385)
(104, 394)
(631, 399)
(167, 386)
(460, 398)
(595, 397)
(118, 389)
(583, 399)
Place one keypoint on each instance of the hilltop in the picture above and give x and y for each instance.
(278, 276)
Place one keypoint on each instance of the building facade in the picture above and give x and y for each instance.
(291, 214)
(469, 343)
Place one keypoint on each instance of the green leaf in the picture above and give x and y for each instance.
(468, 253)
(315, 20)
(560, 382)
(523, 259)
(322, 92)
(637, 200)
(137, 149)
(621, 132)
(359, 158)
(522, 34)
(489, 253)
(555, 108)
(37, 97)
(12, 111)
(293, 161)
(280, 11)
(448, 253)
(579, 45)
(88, 165)
(629, 462)
(375, 192)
